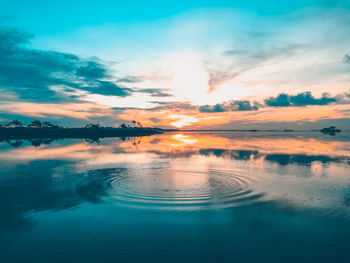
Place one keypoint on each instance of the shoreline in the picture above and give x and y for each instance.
(81, 133)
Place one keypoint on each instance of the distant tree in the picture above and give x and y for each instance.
(15, 123)
(136, 141)
(16, 143)
(36, 142)
(93, 140)
(93, 125)
(47, 124)
(123, 126)
(137, 124)
(36, 124)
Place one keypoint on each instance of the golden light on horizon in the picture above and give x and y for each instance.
(185, 139)
(182, 120)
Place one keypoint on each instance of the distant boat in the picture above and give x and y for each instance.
(331, 130)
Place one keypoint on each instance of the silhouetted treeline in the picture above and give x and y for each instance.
(36, 142)
(37, 129)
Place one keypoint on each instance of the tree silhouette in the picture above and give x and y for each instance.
(93, 126)
(123, 126)
(36, 124)
(15, 143)
(15, 123)
(47, 124)
(137, 124)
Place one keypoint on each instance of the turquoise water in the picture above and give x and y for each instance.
(177, 197)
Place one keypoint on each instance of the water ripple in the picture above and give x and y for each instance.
(182, 189)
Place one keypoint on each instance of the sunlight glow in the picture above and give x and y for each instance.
(183, 120)
(185, 139)
(190, 78)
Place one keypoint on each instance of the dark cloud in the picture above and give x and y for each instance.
(91, 70)
(282, 100)
(107, 88)
(346, 59)
(301, 99)
(235, 105)
(30, 73)
(212, 108)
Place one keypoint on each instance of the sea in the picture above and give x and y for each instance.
(181, 196)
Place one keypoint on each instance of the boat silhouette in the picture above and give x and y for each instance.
(331, 130)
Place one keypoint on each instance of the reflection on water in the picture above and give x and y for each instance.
(116, 198)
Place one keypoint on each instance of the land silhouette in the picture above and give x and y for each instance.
(93, 131)
(15, 130)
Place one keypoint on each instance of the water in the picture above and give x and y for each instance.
(177, 197)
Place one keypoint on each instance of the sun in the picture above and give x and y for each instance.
(190, 79)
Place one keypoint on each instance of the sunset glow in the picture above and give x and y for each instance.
(216, 66)
(195, 131)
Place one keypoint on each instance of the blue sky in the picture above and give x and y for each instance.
(181, 63)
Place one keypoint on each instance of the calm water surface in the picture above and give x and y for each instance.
(177, 197)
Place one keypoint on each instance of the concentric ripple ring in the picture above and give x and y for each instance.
(181, 189)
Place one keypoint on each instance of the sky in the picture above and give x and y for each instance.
(181, 64)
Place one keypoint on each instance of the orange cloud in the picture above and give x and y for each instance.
(194, 119)
(74, 110)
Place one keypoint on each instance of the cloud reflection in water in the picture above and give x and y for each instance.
(174, 171)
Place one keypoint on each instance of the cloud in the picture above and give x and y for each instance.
(346, 59)
(155, 120)
(282, 100)
(161, 106)
(107, 88)
(209, 108)
(242, 60)
(32, 74)
(172, 105)
(154, 92)
(265, 53)
(131, 79)
(234, 105)
(343, 99)
(301, 99)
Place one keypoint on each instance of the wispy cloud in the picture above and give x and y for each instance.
(154, 92)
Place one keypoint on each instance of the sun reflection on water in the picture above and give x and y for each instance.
(205, 170)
